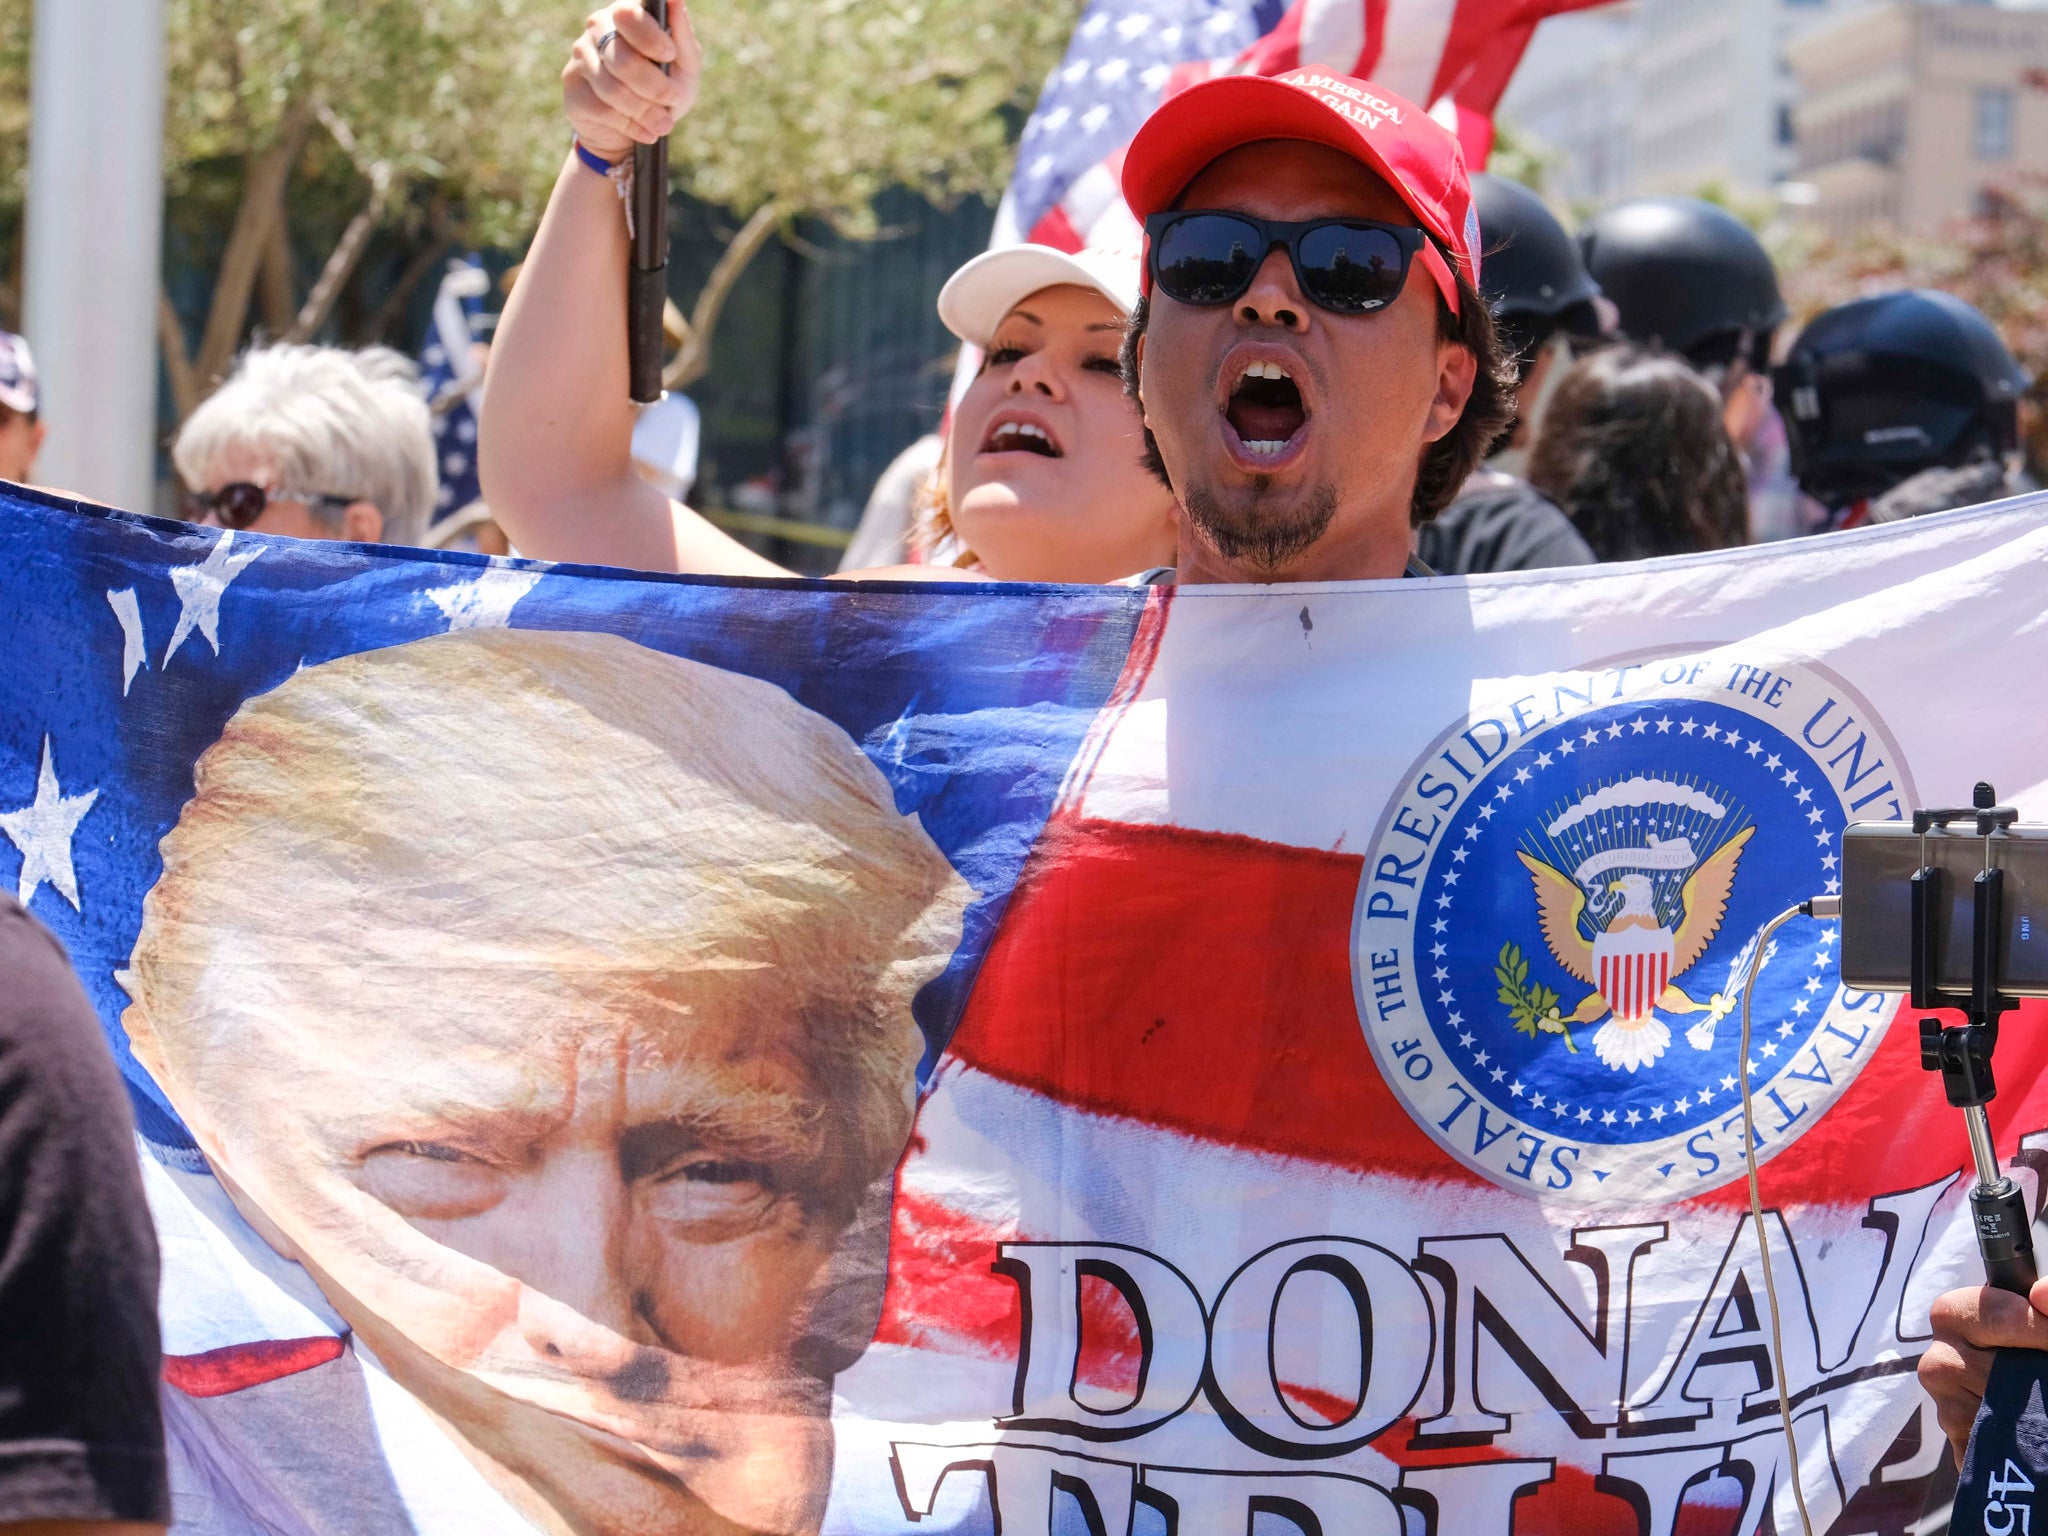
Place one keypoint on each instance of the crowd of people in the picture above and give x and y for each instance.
(1652, 420)
(1657, 399)
(1334, 356)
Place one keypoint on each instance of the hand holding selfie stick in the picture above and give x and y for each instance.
(1961, 1053)
(647, 276)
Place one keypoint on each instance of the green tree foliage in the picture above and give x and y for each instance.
(14, 45)
(442, 118)
(813, 107)
(1519, 155)
(821, 104)
(453, 93)
(1761, 211)
(397, 106)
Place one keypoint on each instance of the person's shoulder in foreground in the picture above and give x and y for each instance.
(81, 1428)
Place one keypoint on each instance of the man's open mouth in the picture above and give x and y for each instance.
(1007, 434)
(1265, 409)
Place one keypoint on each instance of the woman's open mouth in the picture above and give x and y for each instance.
(1012, 433)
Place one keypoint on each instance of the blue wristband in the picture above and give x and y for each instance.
(584, 153)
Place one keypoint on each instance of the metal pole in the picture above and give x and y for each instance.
(95, 239)
(1982, 1154)
(647, 274)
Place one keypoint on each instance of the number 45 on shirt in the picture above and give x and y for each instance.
(2010, 1510)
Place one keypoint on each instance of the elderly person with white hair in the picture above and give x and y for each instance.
(316, 443)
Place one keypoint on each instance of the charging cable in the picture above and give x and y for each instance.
(1817, 907)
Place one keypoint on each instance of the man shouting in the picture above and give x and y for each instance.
(1313, 364)
(1316, 370)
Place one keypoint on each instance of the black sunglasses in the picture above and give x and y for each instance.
(238, 504)
(1348, 266)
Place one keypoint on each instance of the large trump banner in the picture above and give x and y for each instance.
(617, 1054)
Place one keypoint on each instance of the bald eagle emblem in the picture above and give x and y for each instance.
(1651, 864)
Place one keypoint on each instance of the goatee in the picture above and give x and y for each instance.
(1260, 527)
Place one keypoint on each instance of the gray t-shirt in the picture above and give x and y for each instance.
(1499, 523)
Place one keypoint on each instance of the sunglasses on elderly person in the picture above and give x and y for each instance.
(238, 504)
(1347, 266)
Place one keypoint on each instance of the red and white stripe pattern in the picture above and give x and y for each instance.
(1196, 1087)
(1632, 969)
(1456, 55)
(1164, 1052)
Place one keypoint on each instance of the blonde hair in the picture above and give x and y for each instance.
(503, 803)
(932, 534)
(332, 423)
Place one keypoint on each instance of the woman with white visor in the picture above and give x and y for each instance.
(1042, 477)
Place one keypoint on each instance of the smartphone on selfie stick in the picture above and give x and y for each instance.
(1953, 911)
(647, 275)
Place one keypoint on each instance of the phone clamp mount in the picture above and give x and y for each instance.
(1962, 1053)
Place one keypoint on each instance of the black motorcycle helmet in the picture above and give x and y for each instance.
(1883, 389)
(1686, 276)
(1533, 276)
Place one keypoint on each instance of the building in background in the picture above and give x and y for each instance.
(1909, 112)
(1716, 93)
(1575, 96)
(1667, 95)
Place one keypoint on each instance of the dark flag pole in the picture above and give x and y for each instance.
(647, 280)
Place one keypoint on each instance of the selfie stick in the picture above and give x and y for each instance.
(647, 276)
(1961, 1053)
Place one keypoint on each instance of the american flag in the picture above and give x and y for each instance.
(1117, 69)
(448, 372)
(1128, 55)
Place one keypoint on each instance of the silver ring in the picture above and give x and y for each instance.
(605, 41)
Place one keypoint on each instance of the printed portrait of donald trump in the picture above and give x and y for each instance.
(548, 999)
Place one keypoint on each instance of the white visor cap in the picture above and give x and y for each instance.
(978, 296)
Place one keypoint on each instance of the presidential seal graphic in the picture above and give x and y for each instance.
(1559, 911)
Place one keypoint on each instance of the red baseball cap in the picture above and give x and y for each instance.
(1416, 155)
